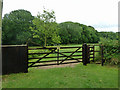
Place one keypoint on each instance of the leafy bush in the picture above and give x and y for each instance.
(111, 50)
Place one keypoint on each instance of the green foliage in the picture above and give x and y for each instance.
(15, 27)
(76, 33)
(20, 25)
(108, 35)
(111, 49)
(45, 27)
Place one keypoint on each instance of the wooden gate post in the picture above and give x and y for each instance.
(84, 51)
(85, 54)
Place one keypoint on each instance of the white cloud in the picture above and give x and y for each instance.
(112, 29)
(89, 12)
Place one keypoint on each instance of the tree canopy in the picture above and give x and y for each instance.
(19, 26)
(16, 27)
(45, 27)
(72, 32)
(109, 35)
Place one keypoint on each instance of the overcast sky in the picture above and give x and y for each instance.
(101, 14)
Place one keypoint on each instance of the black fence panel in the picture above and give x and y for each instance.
(14, 59)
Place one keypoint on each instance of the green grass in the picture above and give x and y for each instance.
(90, 76)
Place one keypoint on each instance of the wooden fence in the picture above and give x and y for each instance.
(44, 56)
(18, 58)
(14, 59)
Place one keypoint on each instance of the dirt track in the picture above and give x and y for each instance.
(58, 66)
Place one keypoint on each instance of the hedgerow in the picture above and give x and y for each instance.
(111, 51)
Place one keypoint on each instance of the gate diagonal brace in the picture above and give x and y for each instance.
(67, 56)
(42, 57)
(70, 55)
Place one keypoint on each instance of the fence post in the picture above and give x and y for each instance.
(27, 58)
(84, 54)
(57, 55)
(102, 55)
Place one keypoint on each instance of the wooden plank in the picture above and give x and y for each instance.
(56, 60)
(53, 57)
(91, 57)
(69, 47)
(51, 48)
(96, 51)
(38, 53)
(91, 54)
(41, 57)
(48, 53)
(71, 52)
(53, 64)
(94, 45)
(91, 50)
(76, 55)
(90, 46)
(42, 48)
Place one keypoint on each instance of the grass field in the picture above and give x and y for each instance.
(90, 76)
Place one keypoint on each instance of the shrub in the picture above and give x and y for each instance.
(111, 50)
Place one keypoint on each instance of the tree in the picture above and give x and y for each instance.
(70, 32)
(45, 27)
(16, 27)
(108, 35)
(76, 33)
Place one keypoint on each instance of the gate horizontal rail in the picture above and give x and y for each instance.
(47, 53)
(52, 57)
(59, 60)
(53, 64)
(52, 48)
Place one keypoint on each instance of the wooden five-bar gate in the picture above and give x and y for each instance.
(44, 56)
